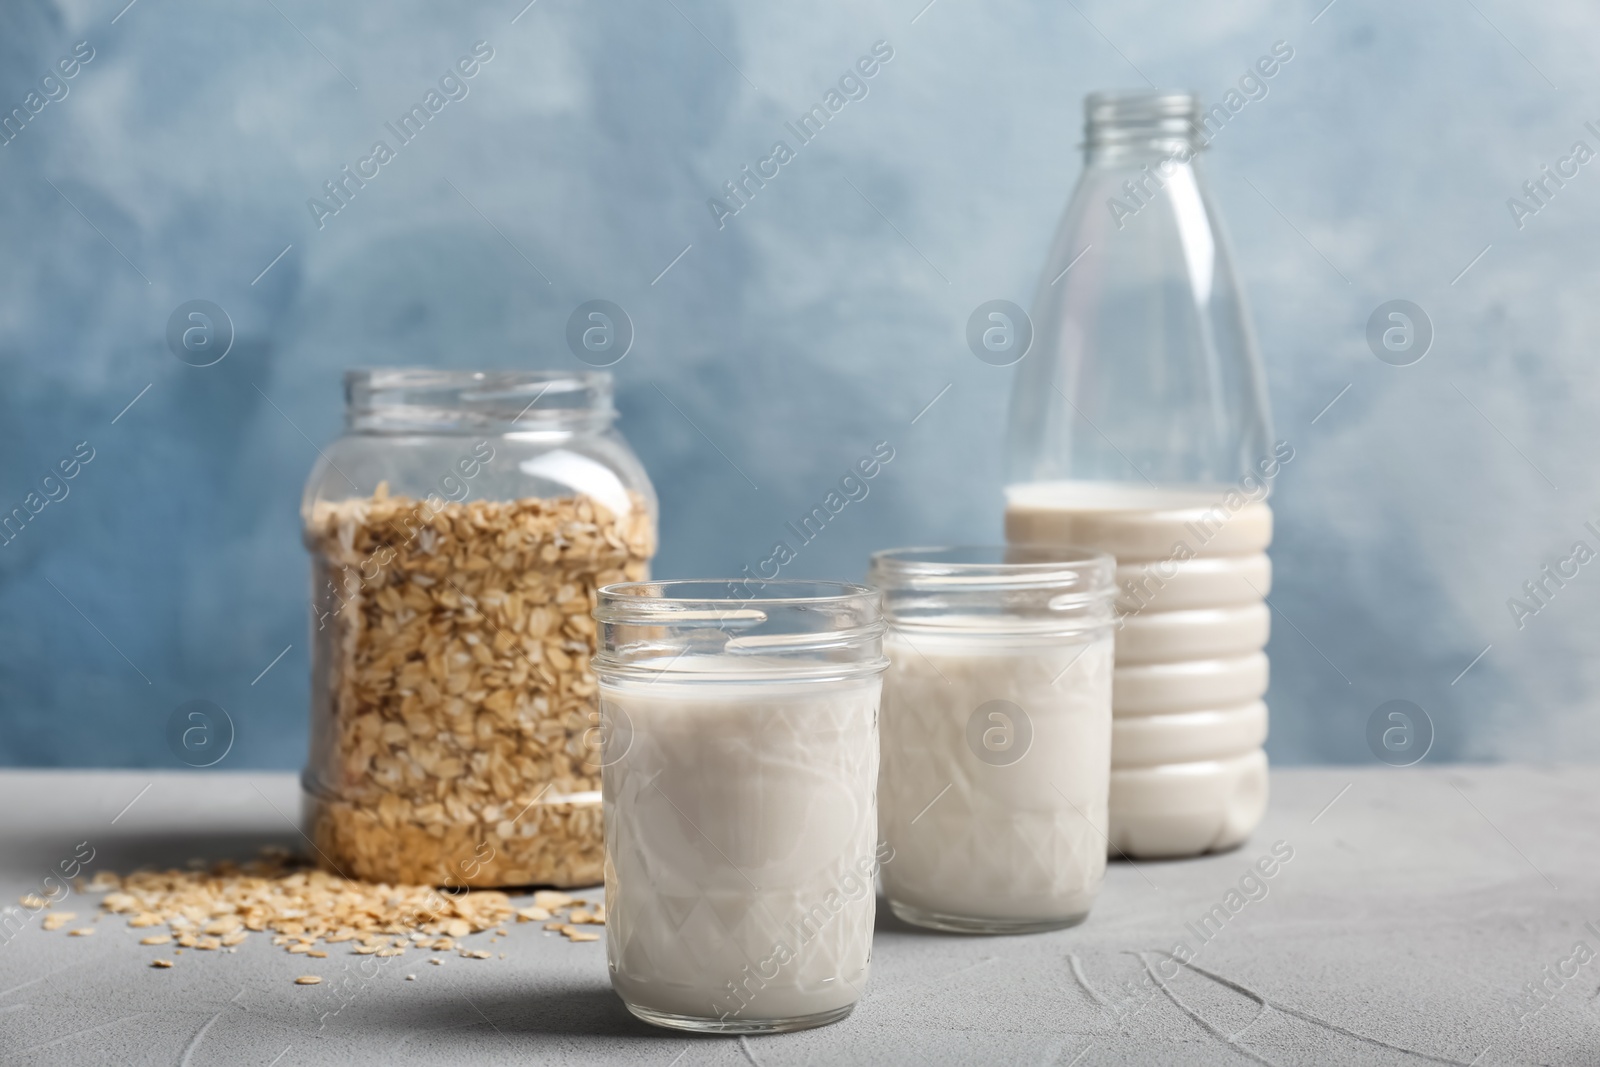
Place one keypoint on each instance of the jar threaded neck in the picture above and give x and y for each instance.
(422, 400)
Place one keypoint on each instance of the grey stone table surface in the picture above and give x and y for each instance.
(1420, 911)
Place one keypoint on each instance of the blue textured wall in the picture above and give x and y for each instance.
(821, 318)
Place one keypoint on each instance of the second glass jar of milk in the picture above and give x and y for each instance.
(1139, 427)
(995, 735)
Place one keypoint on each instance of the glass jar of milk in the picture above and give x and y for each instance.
(1139, 426)
(995, 734)
(739, 726)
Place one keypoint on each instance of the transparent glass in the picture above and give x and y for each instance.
(740, 752)
(995, 735)
(459, 531)
(1139, 426)
(1144, 366)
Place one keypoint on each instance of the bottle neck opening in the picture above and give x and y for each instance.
(1140, 125)
(416, 400)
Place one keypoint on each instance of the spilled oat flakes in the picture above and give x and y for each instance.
(303, 907)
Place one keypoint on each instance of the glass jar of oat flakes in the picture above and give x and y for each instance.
(458, 533)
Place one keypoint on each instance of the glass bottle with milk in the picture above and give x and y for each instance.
(1139, 427)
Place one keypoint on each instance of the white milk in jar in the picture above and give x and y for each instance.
(995, 736)
(740, 766)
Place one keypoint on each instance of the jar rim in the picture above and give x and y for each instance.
(626, 600)
(435, 400)
(381, 377)
(997, 566)
(792, 628)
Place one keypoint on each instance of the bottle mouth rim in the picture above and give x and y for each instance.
(1116, 117)
(1140, 103)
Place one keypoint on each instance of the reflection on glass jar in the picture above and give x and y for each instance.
(458, 532)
